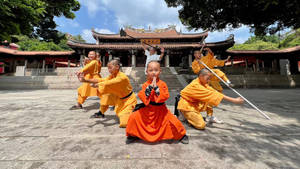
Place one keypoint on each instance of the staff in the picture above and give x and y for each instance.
(200, 62)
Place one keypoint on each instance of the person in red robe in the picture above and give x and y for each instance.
(151, 120)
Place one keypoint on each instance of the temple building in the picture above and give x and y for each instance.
(284, 61)
(44, 60)
(178, 46)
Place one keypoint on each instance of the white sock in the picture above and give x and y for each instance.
(228, 81)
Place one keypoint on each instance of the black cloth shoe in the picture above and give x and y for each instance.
(75, 107)
(98, 115)
(131, 139)
(184, 139)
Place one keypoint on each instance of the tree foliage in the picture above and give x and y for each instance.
(34, 44)
(270, 42)
(34, 18)
(292, 39)
(263, 16)
(77, 38)
(256, 45)
(267, 38)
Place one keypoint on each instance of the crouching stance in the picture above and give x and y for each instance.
(152, 121)
(198, 96)
(118, 84)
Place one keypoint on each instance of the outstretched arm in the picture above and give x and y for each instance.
(144, 46)
(81, 78)
(237, 100)
(227, 58)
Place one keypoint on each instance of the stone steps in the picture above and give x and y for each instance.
(65, 78)
(139, 77)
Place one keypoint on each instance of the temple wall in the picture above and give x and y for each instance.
(259, 81)
(69, 81)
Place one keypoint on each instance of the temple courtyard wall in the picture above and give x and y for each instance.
(64, 78)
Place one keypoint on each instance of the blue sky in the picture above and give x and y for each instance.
(108, 16)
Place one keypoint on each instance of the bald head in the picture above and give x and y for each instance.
(204, 72)
(204, 76)
(153, 69)
(115, 62)
(153, 64)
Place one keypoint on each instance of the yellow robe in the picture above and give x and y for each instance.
(211, 62)
(196, 98)
(120, 87)
(91, 71)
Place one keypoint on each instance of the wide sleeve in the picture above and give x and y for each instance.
(218, 62)
(163, 93)
(147, 53)
(89, 67)
(102, 79)
(145, 99)
(99, 66)
(210, 55)
(195, 66)
(109, 85)
(199, 93)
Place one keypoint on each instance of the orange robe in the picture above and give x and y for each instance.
(120, 87)
(196, 98)
(211, 62)
(154, 122)
(91, 71)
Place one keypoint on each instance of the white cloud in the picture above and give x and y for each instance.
(156, 14)
(139, 13)
(64, 22)
(106, 31)
(88, 37)
(93, 6)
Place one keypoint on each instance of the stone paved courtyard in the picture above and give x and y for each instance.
(37, 130)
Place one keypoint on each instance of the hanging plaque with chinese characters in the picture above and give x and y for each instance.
(151, 41)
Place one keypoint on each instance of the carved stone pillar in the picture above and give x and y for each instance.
(133, 58)
(167, 59)
(43, 66)
(190, 59)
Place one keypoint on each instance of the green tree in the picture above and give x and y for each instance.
(34, 18)
(291, 39)
(270, 38)
(263, 16)
(33, 44)
(78, 38)
(270, 42)
(19, 17)
(63, 42)
(257, 45)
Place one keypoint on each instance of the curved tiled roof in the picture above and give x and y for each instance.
(167, 33)
(74, 44)
(287, 50)
(24, 53)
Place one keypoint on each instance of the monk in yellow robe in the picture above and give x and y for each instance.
(106, 100)
(211, 62)
(153, 121)
(118, 84)
(198, 96)
(92, 70)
